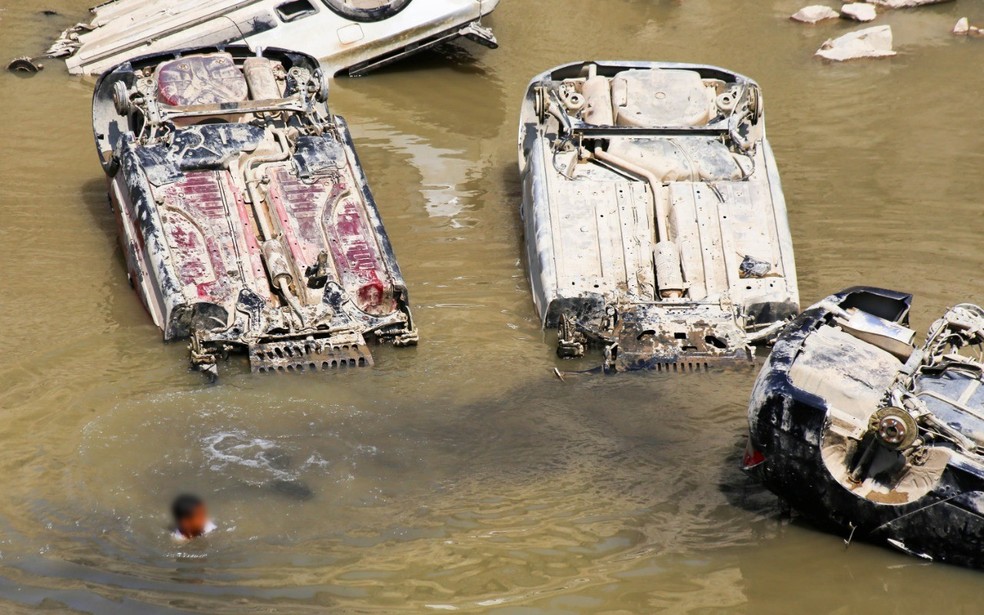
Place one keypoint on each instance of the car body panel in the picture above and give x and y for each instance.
(650, 231)
(123, 29)
(245, 217)
(865, 434)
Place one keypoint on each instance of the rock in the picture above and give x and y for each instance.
(963, 28)
(873, 42)
(905, 4)
(815, 13)
(859, 11)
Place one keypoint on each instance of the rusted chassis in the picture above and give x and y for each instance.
(784, 453)
(641, 334)
(220, 322)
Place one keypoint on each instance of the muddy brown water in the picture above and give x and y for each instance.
(462, 476)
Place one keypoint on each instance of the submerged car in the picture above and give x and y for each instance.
(348, 36)
(244, 215)
(866, 434)
(654, 217)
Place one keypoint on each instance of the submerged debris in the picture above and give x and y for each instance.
(24, 64)
(874, 42)
(859, 11)
(815, 13)
(863, 432)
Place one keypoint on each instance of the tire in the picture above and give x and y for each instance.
(367, 15)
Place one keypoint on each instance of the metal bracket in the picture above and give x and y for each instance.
(571, 343)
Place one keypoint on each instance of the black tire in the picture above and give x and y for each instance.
(367, 15)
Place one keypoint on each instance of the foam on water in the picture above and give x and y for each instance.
(236, 448)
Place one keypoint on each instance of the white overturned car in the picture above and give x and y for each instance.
(347, 36)
(655, 221)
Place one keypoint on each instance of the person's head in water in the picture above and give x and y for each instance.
(190, 516)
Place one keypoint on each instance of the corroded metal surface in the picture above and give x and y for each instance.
(655, 220)
(863, 432)
(247, 221)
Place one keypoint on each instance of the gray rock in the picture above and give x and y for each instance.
(813, 14)
(963, 28)
(875, 42)
(905, 4)
(859, 11)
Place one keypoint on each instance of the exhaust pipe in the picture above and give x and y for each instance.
(669, 274)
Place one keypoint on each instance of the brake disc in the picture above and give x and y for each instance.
(894, 427)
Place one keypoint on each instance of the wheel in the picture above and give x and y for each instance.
(384, 11)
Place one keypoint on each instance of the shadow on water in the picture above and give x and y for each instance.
(823, 558)
(390, 482)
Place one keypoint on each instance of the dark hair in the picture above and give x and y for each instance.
(184, 506)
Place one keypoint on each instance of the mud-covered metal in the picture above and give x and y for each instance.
(245, 217)
(655, 221)
(347, 37)
(871, 436)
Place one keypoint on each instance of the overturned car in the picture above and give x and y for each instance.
(348, 36)
(863, 432)
(654, 217)
(245, 218)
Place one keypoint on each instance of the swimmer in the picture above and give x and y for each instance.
(190, 518)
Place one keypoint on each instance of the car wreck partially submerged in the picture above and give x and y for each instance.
(245, 218)
(350, 36)
(863, 432)
(654, 217)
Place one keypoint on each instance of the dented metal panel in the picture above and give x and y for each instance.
(865, 433)
(655, 221)
(246, 220)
